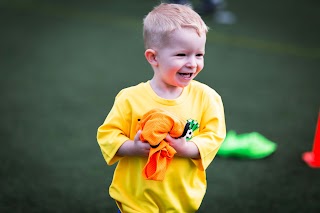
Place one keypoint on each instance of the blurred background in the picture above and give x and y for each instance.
(63, 62)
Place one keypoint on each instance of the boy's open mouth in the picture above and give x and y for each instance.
(186, 74)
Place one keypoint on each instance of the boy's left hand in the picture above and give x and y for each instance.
(184, 149)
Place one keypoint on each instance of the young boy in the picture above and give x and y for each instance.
(174, 37)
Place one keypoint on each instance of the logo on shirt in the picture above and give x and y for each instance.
(193, 126)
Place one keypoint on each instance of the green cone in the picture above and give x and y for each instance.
(248, 145)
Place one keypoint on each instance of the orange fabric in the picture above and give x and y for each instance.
(155, 126)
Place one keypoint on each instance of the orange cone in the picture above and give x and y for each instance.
(313, 158)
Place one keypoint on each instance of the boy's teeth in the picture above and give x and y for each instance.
(186, 75)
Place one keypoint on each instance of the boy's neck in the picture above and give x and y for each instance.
(165, 91)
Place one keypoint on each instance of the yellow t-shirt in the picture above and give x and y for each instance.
(184, 185)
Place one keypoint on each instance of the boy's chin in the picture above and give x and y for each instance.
(183, 84)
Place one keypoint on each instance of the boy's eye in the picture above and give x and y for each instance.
(199, 55)
(181, 54)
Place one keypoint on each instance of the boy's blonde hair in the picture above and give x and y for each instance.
(165, 18)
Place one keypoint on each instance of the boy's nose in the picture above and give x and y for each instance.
(191, 62)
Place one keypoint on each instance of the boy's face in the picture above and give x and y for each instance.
(181, 58)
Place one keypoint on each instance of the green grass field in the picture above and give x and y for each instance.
(62, 63)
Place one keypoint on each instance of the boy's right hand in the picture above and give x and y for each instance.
(141, 148)
(135, 147)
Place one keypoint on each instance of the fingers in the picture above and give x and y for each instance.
(145, 148)
(137, 136)
(168, 138)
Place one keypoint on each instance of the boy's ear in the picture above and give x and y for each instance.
(150, 55)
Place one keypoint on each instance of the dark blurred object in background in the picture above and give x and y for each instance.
(216, 8)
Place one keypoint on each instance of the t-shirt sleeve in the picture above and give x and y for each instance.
(114, 131)
(211, 133)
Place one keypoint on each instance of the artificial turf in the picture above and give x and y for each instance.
(62, 63)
